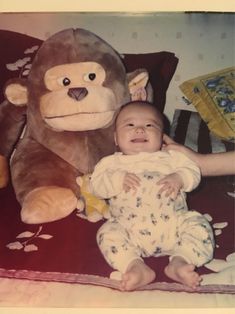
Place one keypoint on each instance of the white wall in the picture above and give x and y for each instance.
(203, 42)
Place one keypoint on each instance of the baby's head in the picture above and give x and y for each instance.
(138, 128)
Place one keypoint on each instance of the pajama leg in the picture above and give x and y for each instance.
(195, 240)
(116, 247)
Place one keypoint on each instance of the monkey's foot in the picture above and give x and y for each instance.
(46, 204)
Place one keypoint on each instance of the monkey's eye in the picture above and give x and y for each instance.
(66, 81)
(89, 77)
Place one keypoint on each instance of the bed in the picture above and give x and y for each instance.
(58, 264)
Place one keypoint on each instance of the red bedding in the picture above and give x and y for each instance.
(66, 250)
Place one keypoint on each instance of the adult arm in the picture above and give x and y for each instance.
(215, 164)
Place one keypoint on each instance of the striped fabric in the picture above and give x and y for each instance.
(189, 129)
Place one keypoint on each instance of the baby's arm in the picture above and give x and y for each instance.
(110, 183)
(107, 180)
(171, 185)
(106, 184)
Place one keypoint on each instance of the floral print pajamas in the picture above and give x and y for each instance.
(146, 224)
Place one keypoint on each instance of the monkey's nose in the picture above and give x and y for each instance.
(77, 93)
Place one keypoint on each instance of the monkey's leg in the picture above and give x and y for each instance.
(45, 184)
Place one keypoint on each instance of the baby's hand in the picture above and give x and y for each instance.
(172, 184)
(131, 181)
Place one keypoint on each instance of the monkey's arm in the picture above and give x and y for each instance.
(12, 120)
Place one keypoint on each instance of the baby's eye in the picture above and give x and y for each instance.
(89, 77)
(149, 125)
(130, 124)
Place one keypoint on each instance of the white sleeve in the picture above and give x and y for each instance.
(106, 181)
(187, 169)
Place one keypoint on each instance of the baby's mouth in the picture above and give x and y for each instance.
(139, 140)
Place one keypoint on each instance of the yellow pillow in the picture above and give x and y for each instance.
(213, 95)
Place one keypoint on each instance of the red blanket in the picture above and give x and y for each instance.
(66, 250)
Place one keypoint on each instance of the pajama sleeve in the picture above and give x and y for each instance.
(106, 180)
(187, 169)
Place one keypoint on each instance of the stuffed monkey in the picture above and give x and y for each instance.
(75, 87)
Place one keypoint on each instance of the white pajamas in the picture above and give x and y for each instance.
(146, 223)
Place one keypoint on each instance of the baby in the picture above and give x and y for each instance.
(149, 216)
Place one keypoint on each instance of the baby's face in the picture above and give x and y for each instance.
(138, 129)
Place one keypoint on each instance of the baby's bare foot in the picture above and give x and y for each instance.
(137, 275)
(179, 270)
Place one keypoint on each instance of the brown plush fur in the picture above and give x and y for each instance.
(50, 156)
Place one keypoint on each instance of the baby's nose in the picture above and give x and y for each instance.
(140, 129)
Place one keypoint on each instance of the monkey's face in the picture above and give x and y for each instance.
(77, 82)
(77, 98)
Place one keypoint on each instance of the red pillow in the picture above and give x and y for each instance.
(161, 67)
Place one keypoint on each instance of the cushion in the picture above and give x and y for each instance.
(18, 50)
(161, 67)
(213, 95)
(189, 129)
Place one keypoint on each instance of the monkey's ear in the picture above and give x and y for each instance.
(139, 86)
(17, 93)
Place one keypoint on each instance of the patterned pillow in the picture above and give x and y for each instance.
(213, 95)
